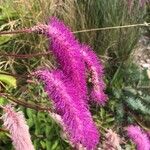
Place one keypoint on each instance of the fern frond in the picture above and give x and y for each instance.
(137, 105)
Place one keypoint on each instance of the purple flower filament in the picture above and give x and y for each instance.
(66, 50)
(95, 67)
(139, 137)
(71, 108)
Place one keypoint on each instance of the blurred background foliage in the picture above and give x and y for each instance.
(127, 85)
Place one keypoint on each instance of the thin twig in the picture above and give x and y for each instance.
(17, 75)
(80, 31)
(16, 31)
(25, 104)
(110, 28)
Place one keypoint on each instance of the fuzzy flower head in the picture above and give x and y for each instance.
(95, 68)
(65, 48)
(139, 137)
(72, 109)
(17, 126)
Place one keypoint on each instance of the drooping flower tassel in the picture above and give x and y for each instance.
(112, 141)
(95, 67)
(17, 126)
(66, 50)
(72, 109)
(139, 137)
(72, 56)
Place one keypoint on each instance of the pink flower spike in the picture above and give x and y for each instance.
(65, 48)
(139, 137)
(112, 141)
(17, 126)
(95, 67)
(73, 111)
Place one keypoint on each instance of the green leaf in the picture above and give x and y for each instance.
(146, 99)
(48, 144)
(102, 113)
(30, 122)
(9, 80)
(130, 90)
(30, 112)
(4, 39)
(2, 101)
(55, 145)
(43, 144)
(48, 130)
(109, 120)
(36, 143)
(37, 126)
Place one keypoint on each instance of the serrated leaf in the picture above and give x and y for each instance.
(9, 80)
(137, 105)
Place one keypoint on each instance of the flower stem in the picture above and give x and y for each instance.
(25, 104)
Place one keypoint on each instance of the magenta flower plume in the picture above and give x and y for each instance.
(95, 68)
(16, 124)
(139, 137)
(72, 109)
(66, 50)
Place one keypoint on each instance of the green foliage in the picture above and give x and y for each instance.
(45, 132)
(103, 118)
(137, 102)
(130, 96)
(7, 79)
(137, 105)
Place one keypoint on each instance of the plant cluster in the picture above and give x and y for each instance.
(127, 86)
(67, 87)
